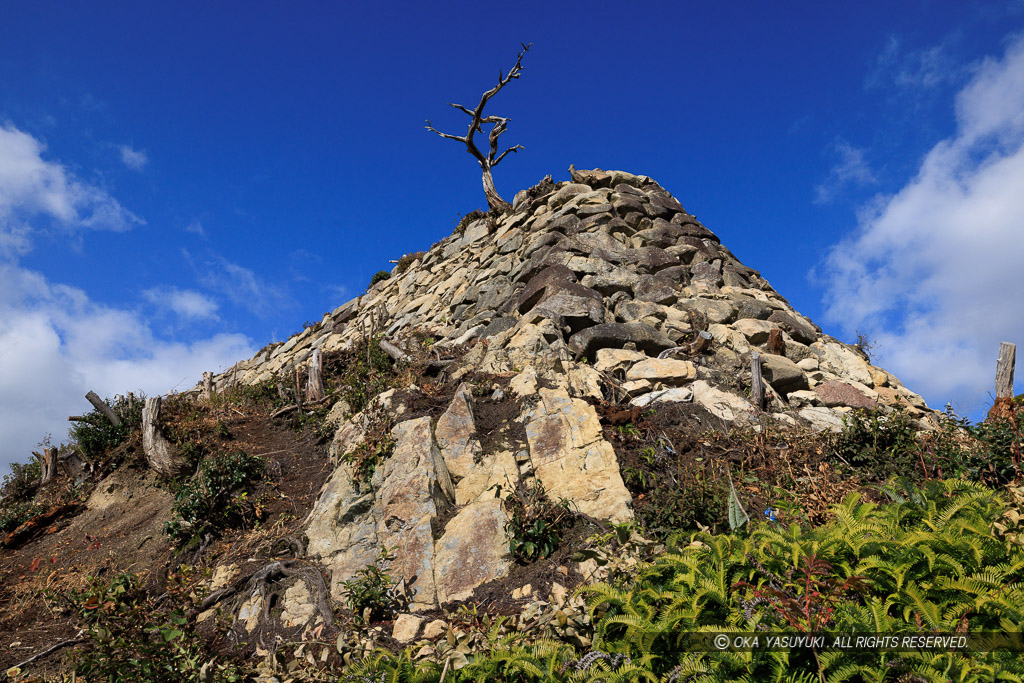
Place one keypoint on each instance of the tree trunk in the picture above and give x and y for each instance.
(160, 453)
(315, 380)
(101, 406)
(494, 200)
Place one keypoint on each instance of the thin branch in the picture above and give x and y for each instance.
(444, 135)
(461, 108)
(477, 114)
(40, 655)
(502, 156)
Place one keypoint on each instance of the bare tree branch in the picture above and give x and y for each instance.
(460, 108)
(514, 148)
(498, 126)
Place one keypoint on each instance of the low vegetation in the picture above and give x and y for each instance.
(535, 522)
(217, 496)
(875, 529)
(373, 594)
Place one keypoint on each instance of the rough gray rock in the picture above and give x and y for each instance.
(616, 335)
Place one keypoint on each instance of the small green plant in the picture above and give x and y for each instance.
(216, 497)
(368, 372)
(18, 495)
(372, 594)
(989, 451)
(535, 523)
(379, 276)
(377, 445)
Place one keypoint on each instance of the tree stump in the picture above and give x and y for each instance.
(47, 463)
(756, 382)
(160, 453)
(1004, 369)
(314, 377)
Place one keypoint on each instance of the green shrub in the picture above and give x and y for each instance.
(989, 451)
(535, 523)
(216, 497)
(18, 495)
(131, 636)
(368, 372)
(263, 394)
(379, 276)
(879, 445)
(95, 434)
(377, 445)
(372, 594)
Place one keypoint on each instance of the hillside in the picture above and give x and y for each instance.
(545, 399)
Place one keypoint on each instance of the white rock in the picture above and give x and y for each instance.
(673, 395)
(723, 404)
(407, 627)
(668, 370)
(609, 360)
(822, 419)
(756, 331)
(808, 364)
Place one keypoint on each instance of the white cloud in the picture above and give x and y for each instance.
(934, 271)
(921, 69)
(851, 170)
(185, 303)
(56, 344)
(33, 190)
(196, 228)
(135, 159)
(242, 286)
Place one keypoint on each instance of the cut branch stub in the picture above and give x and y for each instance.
(498, 126)
(102, 406)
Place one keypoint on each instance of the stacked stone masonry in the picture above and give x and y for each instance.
(571, 292)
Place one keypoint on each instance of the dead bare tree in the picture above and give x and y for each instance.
(498, 126)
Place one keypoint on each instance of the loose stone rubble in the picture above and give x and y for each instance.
(573, 297)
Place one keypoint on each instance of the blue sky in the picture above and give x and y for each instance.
(182, 184)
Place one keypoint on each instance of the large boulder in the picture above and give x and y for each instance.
(833, 393)
(783, 374)
(572, 460)
(616, 335)
(472, 551)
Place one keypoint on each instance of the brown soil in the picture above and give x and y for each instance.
(121, 530)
